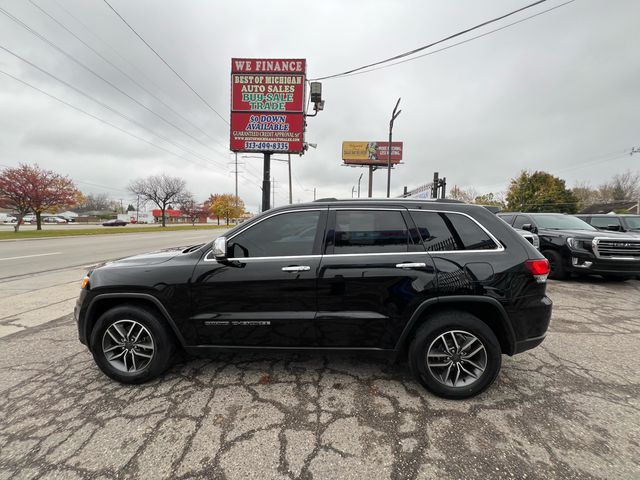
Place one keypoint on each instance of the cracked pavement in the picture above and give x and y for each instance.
(567, 409)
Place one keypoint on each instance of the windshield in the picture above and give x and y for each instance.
(633, 223)
(564, 222)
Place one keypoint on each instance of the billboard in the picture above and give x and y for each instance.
(267, 105)
(371, 153)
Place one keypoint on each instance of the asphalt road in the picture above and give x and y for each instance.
(23, 257)
(39, 279)
(569, 409)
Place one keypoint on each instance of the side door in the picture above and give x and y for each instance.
(264, 293)
(463, 251)
(375, 272)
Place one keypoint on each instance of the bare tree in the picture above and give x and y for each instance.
(467, 195)
(161, 190)
(622, 186)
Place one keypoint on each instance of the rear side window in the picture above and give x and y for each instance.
(451, 231)
(370, 231)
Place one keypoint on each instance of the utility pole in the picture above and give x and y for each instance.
(314, 194)
(394, 115)
(290, 192)
(266, 182)
(236, 172)
(359, 178)
(353, 189)
(371, 170)
(273, 193)
(138, 209)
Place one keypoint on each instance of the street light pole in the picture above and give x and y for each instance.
(394, 115)
(359, 178)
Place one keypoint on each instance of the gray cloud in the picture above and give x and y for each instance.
(554, 93)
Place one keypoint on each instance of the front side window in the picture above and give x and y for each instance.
(451, 231)
(521, 221)
(604, 222)
(370, 231)
(287, 234)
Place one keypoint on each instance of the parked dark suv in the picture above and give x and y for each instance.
(615, 223)
(445, 283)
(573, 246)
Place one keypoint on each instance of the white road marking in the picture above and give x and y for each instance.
(30, 256)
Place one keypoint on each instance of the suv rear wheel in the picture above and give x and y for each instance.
(455, 355)
(131, 345)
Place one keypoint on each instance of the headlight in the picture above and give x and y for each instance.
(572, 242)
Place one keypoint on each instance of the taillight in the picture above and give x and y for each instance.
(539, 269)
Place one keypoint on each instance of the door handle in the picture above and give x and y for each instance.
(296, 268)
(411, 265)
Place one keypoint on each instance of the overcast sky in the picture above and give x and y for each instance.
(559, 92)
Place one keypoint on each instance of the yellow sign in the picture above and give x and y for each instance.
(370, 153)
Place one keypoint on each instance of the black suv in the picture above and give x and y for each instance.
(614, 223)
(573, 246)
(446, 283)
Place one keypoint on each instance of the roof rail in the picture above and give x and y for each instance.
(436, 200)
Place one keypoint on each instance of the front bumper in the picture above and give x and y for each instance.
(586, 263)
(79, 313)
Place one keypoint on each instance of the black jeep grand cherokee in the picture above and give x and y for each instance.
(445, 283)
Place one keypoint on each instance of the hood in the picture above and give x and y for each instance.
(152, 258)
(586, 233)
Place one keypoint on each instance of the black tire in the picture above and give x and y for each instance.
(430, 332)
(161, 338)
(556, 263)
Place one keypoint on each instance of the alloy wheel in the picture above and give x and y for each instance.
(457, 358)
(128, 346)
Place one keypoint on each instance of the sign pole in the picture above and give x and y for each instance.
(266, 183)
(394, 115)
(370, 181)
(290, 192)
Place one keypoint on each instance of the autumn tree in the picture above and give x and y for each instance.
(465, 195)
(492, 199)
(32, 189)
(540, 192)
(192, 209)
(226, 205)
(161, 190)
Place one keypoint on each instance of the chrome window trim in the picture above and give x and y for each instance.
(319, 209)
(500, 247)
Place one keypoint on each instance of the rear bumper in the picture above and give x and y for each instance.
(530, 318)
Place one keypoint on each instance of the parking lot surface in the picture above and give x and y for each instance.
(568, 409)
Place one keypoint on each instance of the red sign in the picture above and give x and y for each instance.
(270, 132)
(268, 65)
(267, 105)
(267, 93)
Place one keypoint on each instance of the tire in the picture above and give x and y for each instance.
(558, 270)
(150, 354)
(431, 374)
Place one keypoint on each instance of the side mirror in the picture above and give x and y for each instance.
(220, 248)
(529, 228)
(614, 228)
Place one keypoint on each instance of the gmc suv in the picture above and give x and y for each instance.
(616, 223)
(573, 246)
(446, 284)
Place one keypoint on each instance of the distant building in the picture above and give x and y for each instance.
(613, 207)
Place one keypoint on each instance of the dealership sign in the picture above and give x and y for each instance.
(371, 153)
(267, 105)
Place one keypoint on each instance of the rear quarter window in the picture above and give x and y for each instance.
(446, 231)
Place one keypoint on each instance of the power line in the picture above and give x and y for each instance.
(461, 42)
(104, 105)
(133, 80)
(167, 64)
(93, 72)
(416, 50)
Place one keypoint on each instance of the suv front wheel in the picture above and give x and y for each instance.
(131, 345)
(455, 355)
